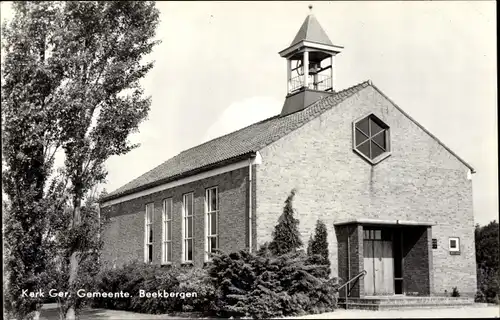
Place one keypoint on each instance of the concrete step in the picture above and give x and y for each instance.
(389, 303)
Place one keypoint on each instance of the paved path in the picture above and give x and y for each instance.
(464, 312)
(49, 313)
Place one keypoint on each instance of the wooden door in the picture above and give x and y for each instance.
(383, 267)
(378, 263)
(369, 278)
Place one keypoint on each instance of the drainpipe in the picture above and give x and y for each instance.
(250, 163)
(348, 267)
(255, 160)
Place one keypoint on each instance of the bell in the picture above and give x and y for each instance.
(314, 68)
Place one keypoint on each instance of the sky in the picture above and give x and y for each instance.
(217, 70)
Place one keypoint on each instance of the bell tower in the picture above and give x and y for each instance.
(310, 66)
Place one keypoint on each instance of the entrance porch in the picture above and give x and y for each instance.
(394, 255)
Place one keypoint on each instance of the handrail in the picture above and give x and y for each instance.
(362, 273)
(359, 275)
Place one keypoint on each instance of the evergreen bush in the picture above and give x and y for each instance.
(137, 276)
(487, 258)
(286, 236)
(264, 286)
(317, 249)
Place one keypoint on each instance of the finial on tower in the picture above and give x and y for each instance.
(310, 8)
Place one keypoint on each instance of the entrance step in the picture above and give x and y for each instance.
(391, 303)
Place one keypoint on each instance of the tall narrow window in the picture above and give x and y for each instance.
(148, 233)
(187, 227)
(167, 231)
(211, 220)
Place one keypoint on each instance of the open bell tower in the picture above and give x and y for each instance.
(310, 66)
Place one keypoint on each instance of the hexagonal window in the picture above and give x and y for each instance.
(371, 139)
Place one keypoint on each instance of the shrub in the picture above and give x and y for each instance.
(264, 286)
(233, 277)
(479, 297)
(455, 292)
(197, 280)
(286, 236)
(487, 284)
(318, 248)
(137, 276)
(131, 278)
(487, 258)
(152, 279)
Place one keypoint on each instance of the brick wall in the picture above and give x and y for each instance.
(350, 256)
(420, 181)
(124, 234)
(417, 262)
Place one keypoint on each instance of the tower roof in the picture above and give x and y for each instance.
(311, 31)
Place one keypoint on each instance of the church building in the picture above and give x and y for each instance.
(396, 201)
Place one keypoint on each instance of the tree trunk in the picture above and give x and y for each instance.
(73, 267)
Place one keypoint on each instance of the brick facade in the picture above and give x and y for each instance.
(417, 260)
(350, 256)
(124, 234)
(420, 181)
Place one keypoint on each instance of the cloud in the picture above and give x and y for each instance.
(243, 113)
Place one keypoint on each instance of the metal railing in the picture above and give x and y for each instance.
(319, 82)
(347, 289)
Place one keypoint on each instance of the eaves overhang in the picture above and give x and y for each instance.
(382, 222)
(332, 49)
(183, 175)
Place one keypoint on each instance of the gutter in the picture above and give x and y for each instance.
(177, 177)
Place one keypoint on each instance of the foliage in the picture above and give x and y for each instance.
(137, 276)
(197, 280)
(488, 285)
(318, 246)
(60, 248)
(455, 293)
(27, 137)
(70, 81)
(487, 259)
(265, 286)
(487, 245)
(286, 236)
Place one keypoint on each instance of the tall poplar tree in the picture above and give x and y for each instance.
(70, 81)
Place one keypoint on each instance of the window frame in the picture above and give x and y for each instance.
(456, 250)
(185, 239)
(147, 225)
(387, 130)
(208, 215)
(166, 231)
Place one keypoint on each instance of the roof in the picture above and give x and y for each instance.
(244, 143)
(233, 145)
(311, 31)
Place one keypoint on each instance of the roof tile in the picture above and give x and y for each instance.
(244, 141)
